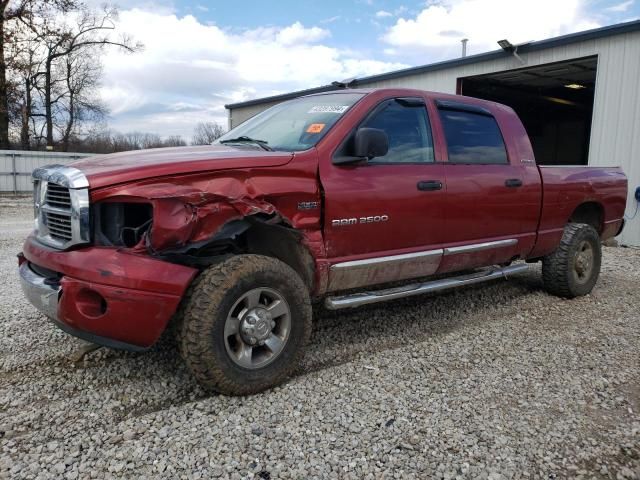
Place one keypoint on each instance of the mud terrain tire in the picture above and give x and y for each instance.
(573, 269)
(236, 295)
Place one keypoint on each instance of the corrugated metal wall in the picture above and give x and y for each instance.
(615, 133)
(23, 163)
(237, 116)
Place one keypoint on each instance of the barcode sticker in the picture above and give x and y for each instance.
(328, 109)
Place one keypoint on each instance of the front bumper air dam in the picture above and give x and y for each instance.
(121, 311)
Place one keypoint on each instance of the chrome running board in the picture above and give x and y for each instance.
(364, 298)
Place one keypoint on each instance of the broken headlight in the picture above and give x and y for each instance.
(121, 224)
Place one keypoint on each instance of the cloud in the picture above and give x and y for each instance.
(296, 33)
(383, 14)
(189, 70)
(620, 7)
(335, 18)
(156, 6)
(436, 31)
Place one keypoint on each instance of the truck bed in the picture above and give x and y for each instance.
(567, 187)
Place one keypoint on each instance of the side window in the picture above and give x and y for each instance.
(473, 138)
(407, 127)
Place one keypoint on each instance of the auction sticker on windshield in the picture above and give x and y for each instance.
(315, 128)
(328, 109)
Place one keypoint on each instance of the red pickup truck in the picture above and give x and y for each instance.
(352, 196)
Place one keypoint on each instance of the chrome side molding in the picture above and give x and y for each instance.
(378, 270)
(386, 260)
(478, 247)
(365, 298)
(404, 266)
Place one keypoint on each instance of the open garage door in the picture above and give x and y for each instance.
(554, 101)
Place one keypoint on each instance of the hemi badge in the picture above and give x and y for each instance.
(308, 205)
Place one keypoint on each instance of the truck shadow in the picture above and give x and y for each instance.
(137, 384)
(342, 337)
(339, 337)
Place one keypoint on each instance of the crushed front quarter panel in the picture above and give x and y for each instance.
(192, 209)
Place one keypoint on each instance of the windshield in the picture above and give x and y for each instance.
(294, 125)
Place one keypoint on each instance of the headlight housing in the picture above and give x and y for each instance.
(121, 224)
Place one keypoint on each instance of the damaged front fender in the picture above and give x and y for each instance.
(192, 213)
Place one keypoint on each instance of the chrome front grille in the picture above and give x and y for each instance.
(61, 205)
(58, 196)
(58, 221)
(59, 226)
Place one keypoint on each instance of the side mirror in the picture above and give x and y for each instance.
(370, 143)
(366, 144)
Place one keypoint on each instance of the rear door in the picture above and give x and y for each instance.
(384, 217)
(493, 198)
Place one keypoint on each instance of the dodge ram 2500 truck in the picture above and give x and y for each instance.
(351, 196)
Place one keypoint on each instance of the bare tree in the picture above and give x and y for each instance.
(82, 78)
(50, 68)
(8, 13)
(174, 141)
(27, 63)
(206, 133)
(149, 140)
(27, 71)
(15, 13)
(135, 141)
(90, 32)
(101, 140)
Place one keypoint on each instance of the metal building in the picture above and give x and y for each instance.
(578, 96)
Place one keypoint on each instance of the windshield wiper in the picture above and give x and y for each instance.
(261, 143)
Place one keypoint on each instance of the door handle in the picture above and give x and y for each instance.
(429, 185)
(513, 183)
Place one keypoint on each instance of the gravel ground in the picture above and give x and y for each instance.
(499, 381)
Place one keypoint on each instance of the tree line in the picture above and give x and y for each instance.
(50, 74)
(104, 140)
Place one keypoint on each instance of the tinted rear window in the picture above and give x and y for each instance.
(473, 138)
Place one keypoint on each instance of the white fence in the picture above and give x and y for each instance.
(16, 167)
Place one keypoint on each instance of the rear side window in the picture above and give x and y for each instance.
(473, 138)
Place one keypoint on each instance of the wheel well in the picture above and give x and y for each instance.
(257, 234)
(284, 243)
(590, 213)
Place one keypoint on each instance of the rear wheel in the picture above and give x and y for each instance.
(244, 324)
(573, 269)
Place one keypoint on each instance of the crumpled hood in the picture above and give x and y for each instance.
(124, 167)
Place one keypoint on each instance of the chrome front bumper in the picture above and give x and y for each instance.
(40, 291)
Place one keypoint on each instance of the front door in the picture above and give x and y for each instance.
(384, 218)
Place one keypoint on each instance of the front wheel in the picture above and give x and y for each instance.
(573, 269)
(244, 324)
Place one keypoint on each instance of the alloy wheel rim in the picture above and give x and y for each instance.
(583, 262)
(257, 328)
